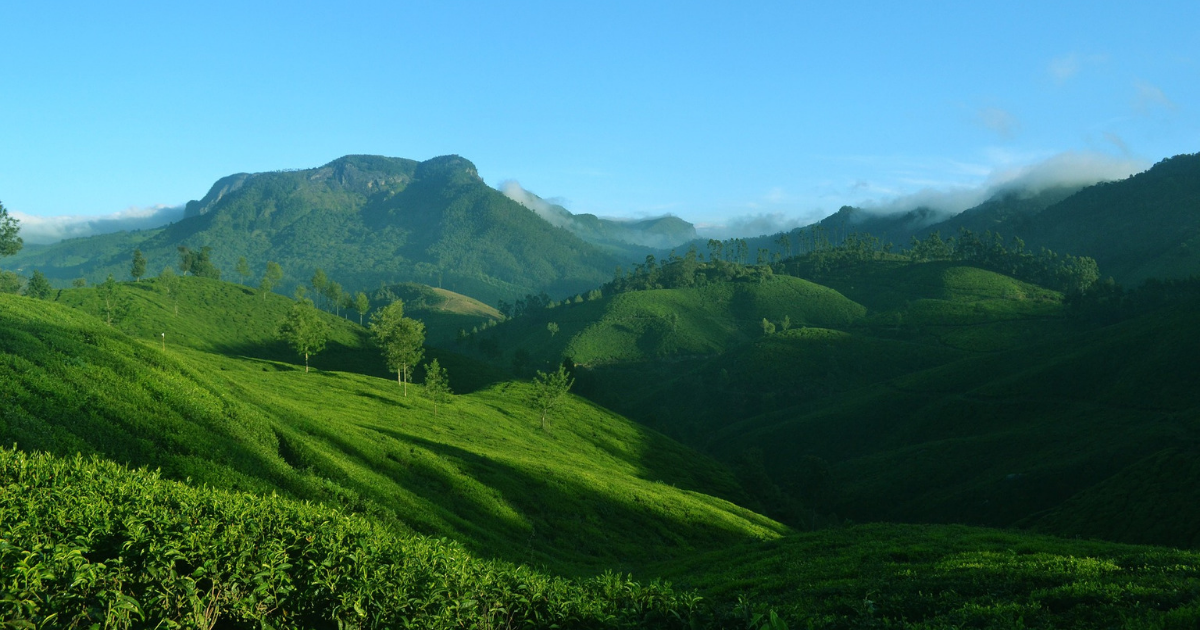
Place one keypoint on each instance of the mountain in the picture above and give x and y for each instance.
(365, 220)
(629, 237)
(1145, 226)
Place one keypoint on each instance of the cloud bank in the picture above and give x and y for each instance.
(42, 230)
(1064, 169)
(545, 209)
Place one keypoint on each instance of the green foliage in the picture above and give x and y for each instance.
(362, 304)
(365, 220)
(39, 287)
(271, 277)
(10, 243)
(437, 385)
(399, 338)
(549, 391)
(304, 331)
(88, 543)
(137, 267)
(9, 282)
(604, 492)
(243, 269)
(925, 577)
(198, 263)
(115, 305)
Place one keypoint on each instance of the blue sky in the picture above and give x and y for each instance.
(719, 113)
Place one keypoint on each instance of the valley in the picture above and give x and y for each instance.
(808, 429)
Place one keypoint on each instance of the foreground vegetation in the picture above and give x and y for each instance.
(86, 543)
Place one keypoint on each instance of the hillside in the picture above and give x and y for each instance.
(596, 491)
(87, 543)
(365, 220)
(642, 326)
(1065, 429)
(921, 577)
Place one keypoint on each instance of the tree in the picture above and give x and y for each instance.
(437, 385)
(549, 391)
(79, 283)
(10, 243)
(553, 328)
(271, 277)
(115, 306)
(304, 330)
(168, 283)
(243, 269)
(399, 338)
(767, 326)
(39, 287)
(198, 263)
(137, 268)
(319, 282)
(333, 295)
(786, 323)
(362, 304)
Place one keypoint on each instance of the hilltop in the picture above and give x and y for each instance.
(365, 220)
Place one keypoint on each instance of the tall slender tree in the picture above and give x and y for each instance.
(271, 277)
(400, 340)
(549, 390)
(10, 243)
(137, 267)
(437, 385)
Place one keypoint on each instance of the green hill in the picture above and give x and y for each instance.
(1003, 438)
(444, 313)
(595, 492)
(641, 326)
(365, 220)
(922, 577)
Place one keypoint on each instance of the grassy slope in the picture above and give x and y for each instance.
(444, 312)
(480, 470)
(1000, 438)
(639, 326)
(912, 576)
(89, 544)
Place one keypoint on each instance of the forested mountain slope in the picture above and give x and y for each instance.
(365, 220)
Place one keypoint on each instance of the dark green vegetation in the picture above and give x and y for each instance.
(87, 542)
(1142, 227)
(364, 220)
(959, 380)
(924, 577)
(896, 390)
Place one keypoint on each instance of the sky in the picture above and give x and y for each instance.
(735, 117)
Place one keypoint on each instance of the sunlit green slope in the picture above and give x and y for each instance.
(88, 544)
(643, 326)
(595, 491)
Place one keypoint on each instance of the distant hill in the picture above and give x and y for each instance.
(1145, 226)
(365, 220)
(627, 237)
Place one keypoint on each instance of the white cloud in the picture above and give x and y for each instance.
(1149, 97)
(1065, 67)
(751, 225)
(40, 230)
(554, 216)
(1070, 168)
(998, 120)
